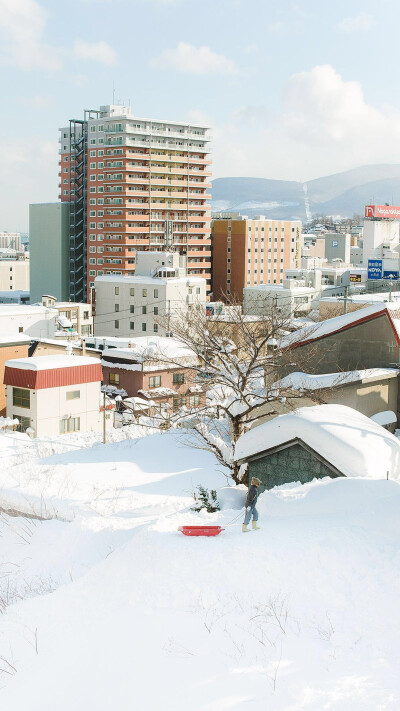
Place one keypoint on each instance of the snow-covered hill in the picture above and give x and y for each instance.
(115, 609)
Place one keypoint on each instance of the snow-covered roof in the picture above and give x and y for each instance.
(339, 323)
(14, 338)
(387, 417)
(158, 392)
(152, 347)
(351, 442)
(24, 309)
(51, 362)
(306, 381)
(151, 281)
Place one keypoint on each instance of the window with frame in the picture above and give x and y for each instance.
(132, 309)
(22, 397)
(194, 400)
(132, 325)
(132, 292)
(154, 381)
(116, 290)
(179, 401)
(116, 324)
(156, 293)
(144, 327)
(72, 424)
(156, 311)
(73, 395)
(113, 378)
(116, 307)
(24, 422)
(178, 378)
(144, 309)
(144, 293)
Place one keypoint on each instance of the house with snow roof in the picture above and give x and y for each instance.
(157, 370)
(58, 394)
(367, 338)
(374, 392)
(315, 442)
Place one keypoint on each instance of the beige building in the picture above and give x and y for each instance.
(73, 317)
(251, 252)
(14, 274)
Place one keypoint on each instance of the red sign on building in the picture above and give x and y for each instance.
(388, 212)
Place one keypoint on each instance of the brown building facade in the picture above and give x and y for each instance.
(10, 348)
(250, 252)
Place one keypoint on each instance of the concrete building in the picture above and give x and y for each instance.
(292, 298)
(133, 183)
(337, 246)
(133, 305)
(11, 240)
(250, 252)
(14, 274)
(49, 250)
(331, 306)
(55, 395)
(381, 238)
(31, 320)
(74, 318)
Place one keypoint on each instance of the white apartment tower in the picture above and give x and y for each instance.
(133, 184)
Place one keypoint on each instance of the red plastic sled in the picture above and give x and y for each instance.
(200, 530)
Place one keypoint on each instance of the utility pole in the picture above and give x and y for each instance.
(346, 293)
(104, 418)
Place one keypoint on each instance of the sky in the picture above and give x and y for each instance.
(291, 90)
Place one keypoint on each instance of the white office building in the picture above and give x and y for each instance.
(128, 306)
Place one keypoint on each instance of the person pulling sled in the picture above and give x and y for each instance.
(251, 500)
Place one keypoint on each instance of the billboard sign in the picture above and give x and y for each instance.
(355, 278)
(391, 274)
(375, 270)
(390, 212)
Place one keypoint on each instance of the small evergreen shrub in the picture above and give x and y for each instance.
(205, 499)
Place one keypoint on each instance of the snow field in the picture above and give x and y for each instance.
(129, 613)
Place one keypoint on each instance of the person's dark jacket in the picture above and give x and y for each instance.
(252, 496)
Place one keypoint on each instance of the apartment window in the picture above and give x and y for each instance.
(113, 378)
(21, 397)
(116, 290)
(92, 261)
(92, 225)
(178, 378)
(92, 238)
(194, 400)
(72, 424)
(144, 293)
(116, 307)
(92, 166)
(92, 213)
(132, 325)
(116, 324)
(154, 381)
(86, 315)
(92, 129)
(92, 154)
(92, 190)
(144, 327)
(73, 395)
(92, 201)
(92, 249)
(156, 293)
(179, 401)
(155, 328)
(144, 309)
(132, 292)
(132, 309)
(156, 311)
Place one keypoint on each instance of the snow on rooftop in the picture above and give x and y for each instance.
(15, 338)
(353, 443)
(331, 325)
(306, 381)
(51, 362)
(152, 347)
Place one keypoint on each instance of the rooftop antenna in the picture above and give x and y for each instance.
(113, 93)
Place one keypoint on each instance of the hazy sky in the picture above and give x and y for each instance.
(292, 90)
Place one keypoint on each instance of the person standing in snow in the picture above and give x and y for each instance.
(251, 500)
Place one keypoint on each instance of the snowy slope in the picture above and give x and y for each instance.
(123, 612)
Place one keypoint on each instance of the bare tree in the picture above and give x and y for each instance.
(239, 360)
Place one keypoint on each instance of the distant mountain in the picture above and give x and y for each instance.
(340, 194)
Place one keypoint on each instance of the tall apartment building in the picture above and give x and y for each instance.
(250, 252)
(133, 184)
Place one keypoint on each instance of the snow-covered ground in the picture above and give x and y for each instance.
(110, 607)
